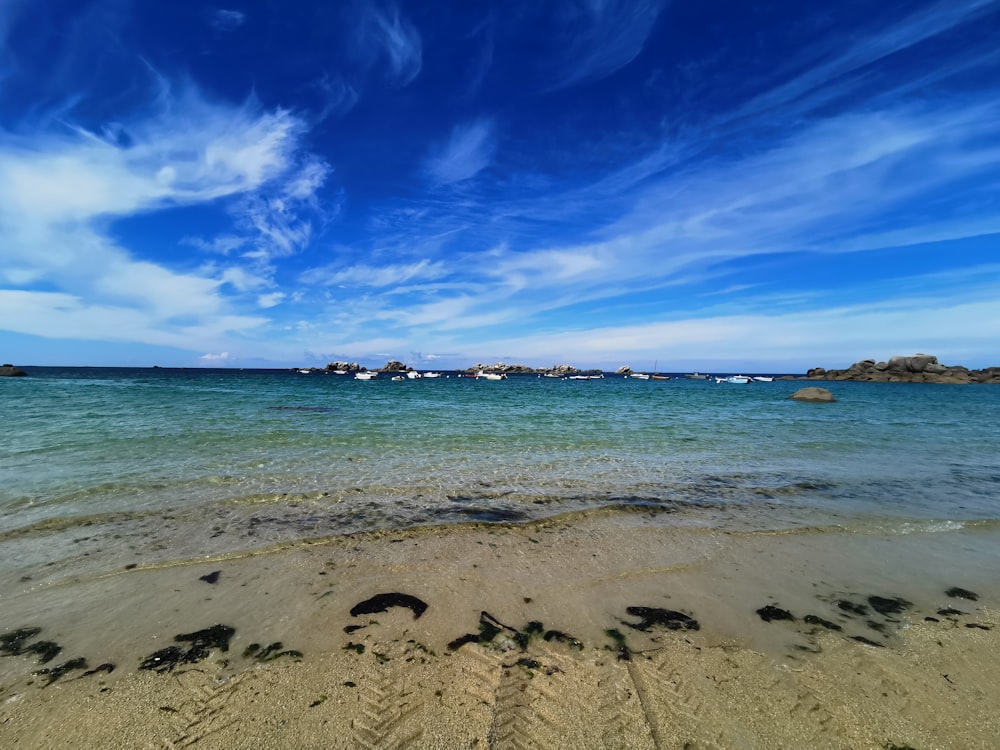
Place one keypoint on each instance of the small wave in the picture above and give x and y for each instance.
(313, 409)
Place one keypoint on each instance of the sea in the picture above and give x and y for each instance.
(191, 462)
(106, 470)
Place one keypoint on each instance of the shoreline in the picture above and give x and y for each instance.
(553, 592)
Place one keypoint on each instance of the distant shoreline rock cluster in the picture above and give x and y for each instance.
(9, 371)
(919, 368)
(500, 368)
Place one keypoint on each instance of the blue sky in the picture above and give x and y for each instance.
(717, 186)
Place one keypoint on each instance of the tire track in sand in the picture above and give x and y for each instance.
(203, 713)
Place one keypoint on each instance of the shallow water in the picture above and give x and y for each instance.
(102, 467)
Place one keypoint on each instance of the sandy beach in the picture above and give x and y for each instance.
(604, 630)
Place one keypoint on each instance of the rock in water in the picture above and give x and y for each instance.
(816, 395)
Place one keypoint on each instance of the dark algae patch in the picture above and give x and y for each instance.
(270, 652)
(852, 608)
(950, 612)
(621, 647)
(668, 618)
(382, 603)
(866, 641)
(490, 628)
(19, 643)
(16, 643)
(212, 577)
(879, 618)
(200, 644)
(770, 613)
(956, 592)
(884, 606)
(816, 620)
(560, 637)
(61, 670)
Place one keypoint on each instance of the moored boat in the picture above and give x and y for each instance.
(365, 375)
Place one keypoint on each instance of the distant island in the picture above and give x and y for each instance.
(919, 368)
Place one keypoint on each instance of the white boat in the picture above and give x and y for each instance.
(696, 376)
(365, 375)
(340, 372)
(491, 376)
(413, 374)
(639, 376)
(737, 379)
(398, 378)
(762, 379)
(432, 374)
(305, 372)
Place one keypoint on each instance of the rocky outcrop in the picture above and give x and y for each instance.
(623, 370)
(394, 365)
(502, 368)
(813, 394)
(9, 371)
(918, 368)
(344, 366)
(562, 370)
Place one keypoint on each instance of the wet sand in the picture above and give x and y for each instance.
(598, 631)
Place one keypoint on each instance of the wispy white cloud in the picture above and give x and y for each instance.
(600, 37)
(223, 244)
(385, 35)
(241, 278)
(467, 152)
(338, 97)
(951, 331)
(832, 61)
(271, 300)
(60, 193)
(219, 358)
(59, 315)
(375, 276)
(828, 188)
(226, 20)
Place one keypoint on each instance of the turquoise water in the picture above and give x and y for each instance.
(97, 462)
